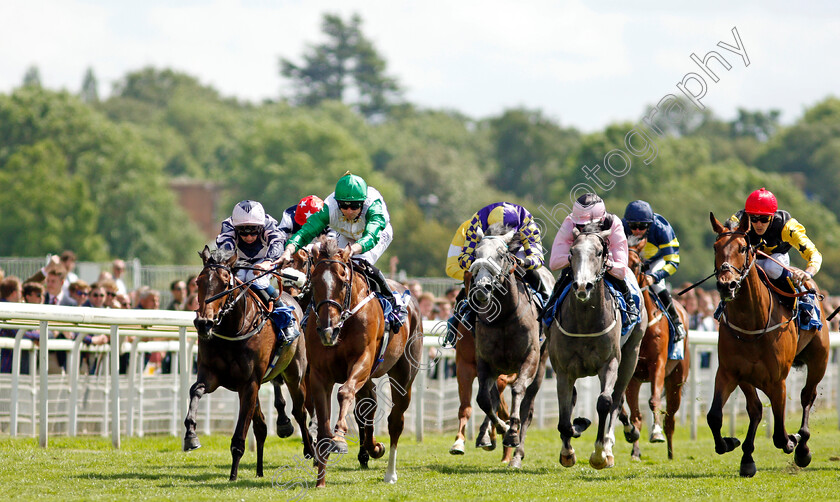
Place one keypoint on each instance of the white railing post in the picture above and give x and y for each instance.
(131, 374)
(115, 386)
(694, 395)
(74, 361)
(419, 395)
(13, 405)
(44, 369)
(184, 366)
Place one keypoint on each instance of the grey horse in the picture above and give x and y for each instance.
(507, 338)
(584, 340)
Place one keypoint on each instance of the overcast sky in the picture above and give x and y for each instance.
(585, 64)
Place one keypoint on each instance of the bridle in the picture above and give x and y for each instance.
(604, 255)
(742, 272)
(345, 312)
(230, 302)
(497, 271)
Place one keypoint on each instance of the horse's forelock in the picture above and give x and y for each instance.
(327, 247)
(219, 256)
(498, 229)
(730, 225)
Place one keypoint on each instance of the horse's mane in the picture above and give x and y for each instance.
(328, 247)
(731, 225)
(593, 227)
(498, 229)
(219, 255)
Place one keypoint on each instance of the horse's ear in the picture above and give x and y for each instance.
(346, 253)
(204, 254)
(605, 234)
(744, 224)
(508, 237)
(575, 233)
(479, 233)
(230, 259)
(716, 225)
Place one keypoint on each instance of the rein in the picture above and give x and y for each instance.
(231, 301)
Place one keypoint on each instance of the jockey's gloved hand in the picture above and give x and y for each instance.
(800, 277)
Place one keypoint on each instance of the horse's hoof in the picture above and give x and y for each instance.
(610, 461)
(339, 446)
(598, 460)
(726, 445)
(485, 443)
(635, 458)
(457, 448)
(802, 460)
(747, 469)
(390, 479)
(378, 451)
(511, 439)
(285, 430)
(191, 443)
(515, 463)
(568, 460)
(791, 443)
(631, 434)
(363, 459)
(657, 437)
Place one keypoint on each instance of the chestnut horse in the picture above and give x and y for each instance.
(466, 371)
(237, 346)
(655, 367)
(758, 342)
(344, 334)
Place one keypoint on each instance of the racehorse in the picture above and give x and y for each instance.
(507, 339)
(585, 340)
(758, 341)
(238, 350)
(655, 367)
(345, 336)
(466, 371)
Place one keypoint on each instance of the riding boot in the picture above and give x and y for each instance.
(397, 318)
(624, 289)
(462, 314)
(671, 308)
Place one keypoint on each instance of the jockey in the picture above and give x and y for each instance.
(527, 240)
(660, 256)
(590, 208)
(359, 215)
(775, 232)
(295, 216)
(254, 236)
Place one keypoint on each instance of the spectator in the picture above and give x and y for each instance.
(117, 270)
(191, 304)
(452, 294)
(179, 292)
(79, 291)
(96, 298)
(696, 319)
(444, 307)
(105, 276)
(11, 291)
(68, 259)
(110, 288)
(192, 285)
(54, 284)
(415, 288)
(148, 298)
(427, 303)
(123, 301)
(33, 292)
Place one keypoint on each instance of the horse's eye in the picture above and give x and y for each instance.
(743, 249)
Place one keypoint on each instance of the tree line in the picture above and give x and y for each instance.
(92, 175)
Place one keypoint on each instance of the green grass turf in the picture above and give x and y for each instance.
(156, 468)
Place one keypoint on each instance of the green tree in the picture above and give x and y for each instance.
(90, 88)
(346, 62)
(32, 77)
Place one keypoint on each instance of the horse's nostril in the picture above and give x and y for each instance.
(589, 286)
(733, 285)
(575, 285)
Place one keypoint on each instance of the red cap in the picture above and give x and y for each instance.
(307, 206)
(761, 202)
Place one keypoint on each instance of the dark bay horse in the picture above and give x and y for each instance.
(585, 340)
(344, 334)
(655, 367)
(237, 346)
(758, 342)
(507, 339)
(466, 371)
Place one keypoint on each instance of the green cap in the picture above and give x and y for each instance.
(351, 188)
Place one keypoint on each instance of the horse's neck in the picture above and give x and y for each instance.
(509, 299)
(237, 319)
(752, 303)
(596, 311)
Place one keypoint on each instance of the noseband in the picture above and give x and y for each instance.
(745, 270)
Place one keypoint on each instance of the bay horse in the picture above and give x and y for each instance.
(655, 367)
(758, 341)
(466, 371)
(344, 334)
(238, 350)
(585, 340)
(507, 339)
